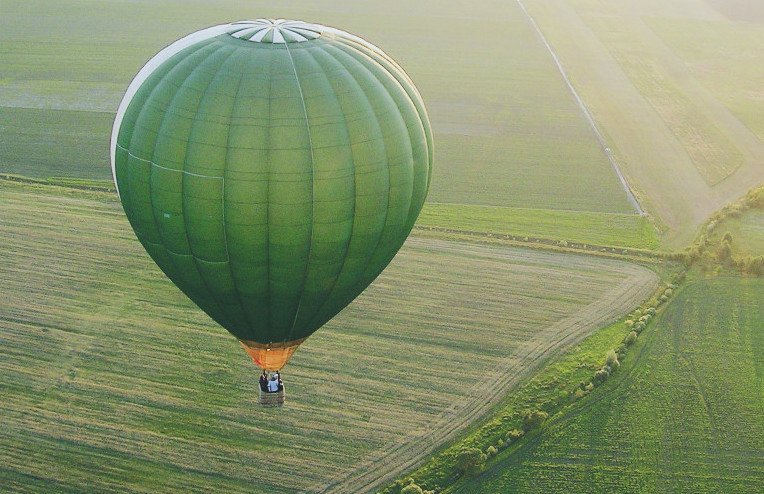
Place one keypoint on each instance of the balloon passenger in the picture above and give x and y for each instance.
(273, 384)
(264, 381)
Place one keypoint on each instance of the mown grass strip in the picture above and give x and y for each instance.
(599, 229)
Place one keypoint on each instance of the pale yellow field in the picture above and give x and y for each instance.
(662, 93)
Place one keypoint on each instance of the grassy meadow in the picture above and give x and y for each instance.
(113, 382)
(740, 227)
(747, 232)
(507, 131)
(683, 415)
(676, 90)
(50, 143)
(610, 229)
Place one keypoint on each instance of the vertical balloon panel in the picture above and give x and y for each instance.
(272, 169)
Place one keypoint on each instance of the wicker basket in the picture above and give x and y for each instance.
(272, 399)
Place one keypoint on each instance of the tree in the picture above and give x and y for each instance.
(470, 461)
(724, 251)
(753, 265)
(612, 360)
(630, 338)
(600, 376)
(514, 435)
(411, 489)
(533, 419)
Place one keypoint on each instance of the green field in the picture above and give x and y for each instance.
(112, 381)
(747, 230)
(712, 152)
(49, 143)
(507, 131)
(683, 415)
(611, 229)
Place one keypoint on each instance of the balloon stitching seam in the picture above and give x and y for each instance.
(196, 260)
(376, 118)
(223, 199)
(313, 190)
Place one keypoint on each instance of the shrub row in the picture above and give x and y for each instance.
(637, 322)
(473, 456)
(710, 256)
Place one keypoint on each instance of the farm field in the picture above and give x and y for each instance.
(51, 143)
(747, 232)
(111, 380)
(674, 101)
(740, 10)
(683, 415)
(725, 58)
(611, 229)
(507, 129)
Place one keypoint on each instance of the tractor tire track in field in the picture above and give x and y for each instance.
(587, 114)
(707, 453)
(393, 461)
(622, 381)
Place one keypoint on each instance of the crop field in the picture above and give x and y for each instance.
(507, 130)
(740, 10)
(747, 232)
(611, 229)
(711, 151)
(111, 380)
(677, 92)
(725, 58)
(52, 142)
(684, 415)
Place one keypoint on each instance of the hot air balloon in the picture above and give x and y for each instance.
(272, 169)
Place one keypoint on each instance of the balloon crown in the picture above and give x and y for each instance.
(276, 31)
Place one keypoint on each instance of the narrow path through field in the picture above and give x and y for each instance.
(587, 114)
(390, 462)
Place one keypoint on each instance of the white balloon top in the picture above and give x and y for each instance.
(276, 31)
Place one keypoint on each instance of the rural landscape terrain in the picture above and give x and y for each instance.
(580, 306)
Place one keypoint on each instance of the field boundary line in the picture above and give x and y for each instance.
(587, 114)
(544, 243)
(399, 457)
(614, 386)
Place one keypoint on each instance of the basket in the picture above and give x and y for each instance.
(272, 399)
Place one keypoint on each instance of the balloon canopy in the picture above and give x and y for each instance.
(272, 169)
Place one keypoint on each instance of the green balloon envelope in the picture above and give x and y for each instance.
(272, 169)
